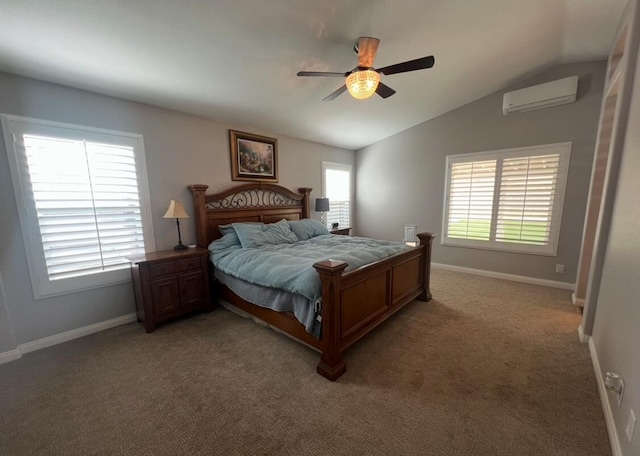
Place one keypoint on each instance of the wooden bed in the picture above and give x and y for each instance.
(353, 303)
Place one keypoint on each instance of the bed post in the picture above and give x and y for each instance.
(331, 363)
(426, 239)
(305, 201)
(199, 203)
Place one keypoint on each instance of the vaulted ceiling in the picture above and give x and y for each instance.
(236, 60)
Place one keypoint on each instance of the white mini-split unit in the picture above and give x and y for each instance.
(547, 95)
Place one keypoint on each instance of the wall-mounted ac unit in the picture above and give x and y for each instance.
(547, 95)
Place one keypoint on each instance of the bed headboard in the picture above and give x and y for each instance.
(259, 202)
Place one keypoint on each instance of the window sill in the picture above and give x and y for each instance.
(550, 250)
(51, 289)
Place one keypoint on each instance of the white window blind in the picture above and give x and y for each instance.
(506, 200)
(84, 202)
(87, 204)
(528, 188)
(471, 199)
(337, 187)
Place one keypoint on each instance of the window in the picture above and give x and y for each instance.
(336, 185)
(506, 200)
(82, 202)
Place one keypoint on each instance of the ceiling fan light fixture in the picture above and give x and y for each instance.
(362, 84)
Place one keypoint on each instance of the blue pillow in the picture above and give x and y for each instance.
(307, 228)
(252, 235)
(230, 239)
(228, 228)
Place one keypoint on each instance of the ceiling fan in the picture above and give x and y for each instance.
(364, 80)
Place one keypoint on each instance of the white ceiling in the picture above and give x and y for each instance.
(236, 60)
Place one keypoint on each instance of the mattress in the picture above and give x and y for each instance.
(272, 298)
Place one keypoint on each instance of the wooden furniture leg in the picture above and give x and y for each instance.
(426, 239)
(331, 363)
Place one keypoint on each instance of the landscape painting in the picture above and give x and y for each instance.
(253, 157)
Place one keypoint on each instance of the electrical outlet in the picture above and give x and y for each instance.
(560, 268)
(631, 425)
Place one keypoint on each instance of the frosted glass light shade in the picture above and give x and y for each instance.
(362, 84)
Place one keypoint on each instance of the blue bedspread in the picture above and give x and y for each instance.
(290, 266)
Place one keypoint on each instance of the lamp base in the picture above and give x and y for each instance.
(180, 246)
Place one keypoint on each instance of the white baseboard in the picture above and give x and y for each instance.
(584, 338)
(10, 355)
(502, 275)
(606, 403)
(577, 301)
(64, 337)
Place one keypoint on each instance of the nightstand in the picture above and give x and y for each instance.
(169, 284)
(343, 231)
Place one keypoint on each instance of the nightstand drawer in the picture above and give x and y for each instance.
(160, 269)
(191, 263)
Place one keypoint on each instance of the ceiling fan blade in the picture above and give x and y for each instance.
(367, 48)
(335, 94)
(384, 90)
(411, 65)
(322, 74)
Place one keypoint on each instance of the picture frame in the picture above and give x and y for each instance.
(410, 233)
(253, 157)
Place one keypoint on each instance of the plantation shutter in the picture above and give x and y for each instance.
(338, 190)
(507, 200)
(528, 188)
(87, 204)
(470, 199)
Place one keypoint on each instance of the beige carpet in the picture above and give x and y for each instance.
(489, 367)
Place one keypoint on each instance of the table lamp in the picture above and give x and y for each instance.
(176, 211)
(322, 206)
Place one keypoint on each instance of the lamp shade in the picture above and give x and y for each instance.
(322, 204)
(362, 84)
(176, 210)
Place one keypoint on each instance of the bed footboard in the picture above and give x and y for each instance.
(355, 302)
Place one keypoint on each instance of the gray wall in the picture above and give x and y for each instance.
(401, 179)
(7, 339)
(616, 331)
(180, 150)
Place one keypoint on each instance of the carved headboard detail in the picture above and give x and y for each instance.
(259, 202)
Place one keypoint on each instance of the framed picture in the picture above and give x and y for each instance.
(410, 233)
(253, 157)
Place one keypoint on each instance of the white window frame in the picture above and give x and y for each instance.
(563, 170)
(13, 127)
(341, 167)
